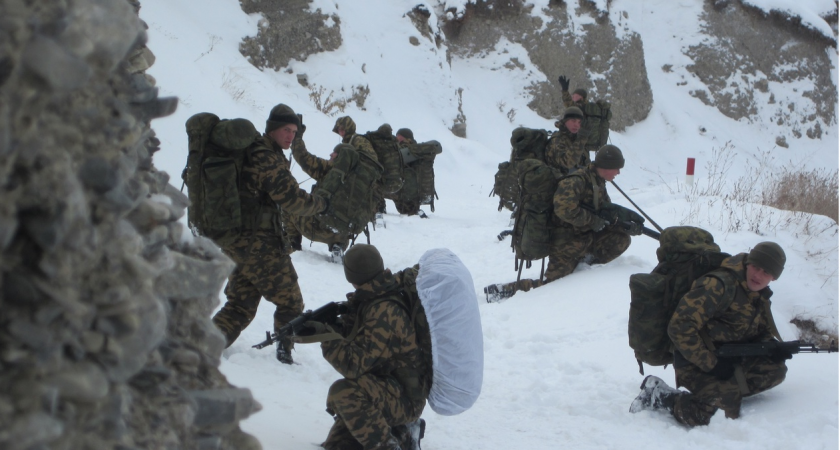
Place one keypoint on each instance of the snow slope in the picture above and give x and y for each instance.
(558, 371)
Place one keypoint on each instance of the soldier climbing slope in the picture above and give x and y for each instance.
(314, 230)
(728, 305)
(263, 265)
(578, 234)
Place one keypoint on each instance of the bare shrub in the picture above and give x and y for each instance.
(812, 191)
(812, 333)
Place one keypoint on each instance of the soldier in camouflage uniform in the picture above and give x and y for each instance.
(728, 305)
(263, 265)
(576, 98)
(405, 137)
(298, 226)
(578, 234)
(386, 377)
(346, 128)
(566, 150)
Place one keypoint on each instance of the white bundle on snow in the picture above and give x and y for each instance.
(447, 293)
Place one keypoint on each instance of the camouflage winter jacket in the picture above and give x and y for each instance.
(721, 306)
(361, 144)
(568, 102)
(566, 151)
(584, 187)
(379, 335)
(312, 165)
(268, 187)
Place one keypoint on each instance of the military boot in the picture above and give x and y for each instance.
(284, 353)
(499, 292)
(391, 444)
(655, 395)
(410, 434)
(336, 254)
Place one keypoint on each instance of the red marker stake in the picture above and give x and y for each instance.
(689, 172)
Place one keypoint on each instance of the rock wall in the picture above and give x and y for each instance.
(556, 48)
(758, 67)
(105, 333)
(288, 31)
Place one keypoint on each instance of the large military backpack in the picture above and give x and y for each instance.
(684, 254)
(525, 143)
(388, 153)
(440, 297)
(535, 209)
(596, 124)
(349, 190)
(419, 173)
(218, 150)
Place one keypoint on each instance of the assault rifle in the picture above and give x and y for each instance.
(769, 348)
(326, 314)
(625, 225)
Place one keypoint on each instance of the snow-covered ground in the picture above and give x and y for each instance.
(558, 370)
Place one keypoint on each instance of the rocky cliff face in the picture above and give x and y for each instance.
(105, 333)
(743, 53)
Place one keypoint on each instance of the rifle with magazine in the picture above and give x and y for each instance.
(617, 215)
(771, 348)
(302, 325)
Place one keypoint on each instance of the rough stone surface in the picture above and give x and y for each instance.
(743, 55)
(745, 52)
(105, 333)
(288, 31)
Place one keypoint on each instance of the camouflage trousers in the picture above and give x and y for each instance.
(708, 394)
(365, 409)
(263, 270)
(309, 227)
(569, 249)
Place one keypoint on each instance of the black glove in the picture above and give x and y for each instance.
(633, 228)
(301, 129)
(564, 82)
(598, 224)
(780, 354)
(724, 369)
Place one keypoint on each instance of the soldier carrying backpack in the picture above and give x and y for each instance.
(419, 174)
(402, 338)
(728, 302)
(348, 181)
(239, 184)
(568, 228)
(595, 128)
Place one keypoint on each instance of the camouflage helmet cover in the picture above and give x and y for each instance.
(345, 123)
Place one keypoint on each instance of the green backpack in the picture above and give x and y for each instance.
(685, 254)
(526, 143)
(388, 153)
(596, 124)
(218, 150)
(535, 208)
(349, 188)
(419, 172)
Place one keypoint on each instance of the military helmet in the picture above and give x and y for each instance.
(581, 92)
(406, 133)
(345, 123)
(769, 256)
(572, 112)
(362, 263)
(280, 115)
(609, 157)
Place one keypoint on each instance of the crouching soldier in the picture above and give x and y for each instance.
(377, 405)
(578, 233)
(728, 305)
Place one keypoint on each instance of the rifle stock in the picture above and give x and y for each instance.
(327, 314)
(767, 349)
